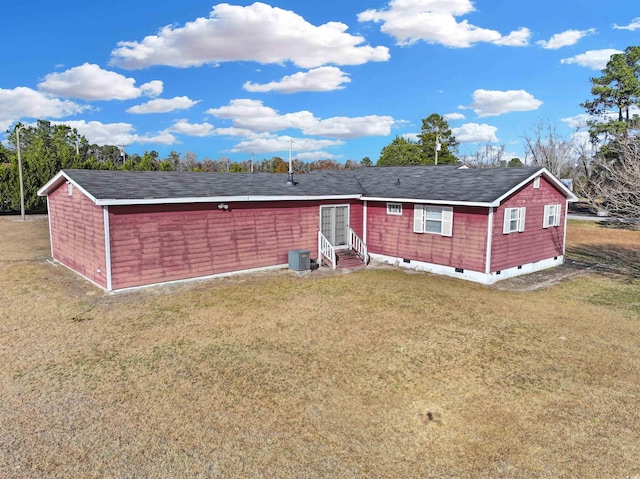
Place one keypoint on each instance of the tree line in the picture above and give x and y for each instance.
(47, 148)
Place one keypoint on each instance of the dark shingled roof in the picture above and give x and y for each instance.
(137, 185)
(441, 183)
(428, 183)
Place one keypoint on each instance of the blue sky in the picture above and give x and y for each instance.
(340, 78)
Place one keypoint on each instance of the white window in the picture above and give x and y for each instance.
(536, 182)
(433, 219)
(394, 209)
(513, 220)
(551, 216)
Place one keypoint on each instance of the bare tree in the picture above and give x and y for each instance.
(546, 147)
(189, 161)
(488, 155)
(615, 183)
(585, 150)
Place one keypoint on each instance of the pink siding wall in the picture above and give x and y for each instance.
(535, 243)
(356, 219)
(77, 230)
(153, 244)
(393, 235)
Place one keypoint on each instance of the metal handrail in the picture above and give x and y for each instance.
(326, 249)
(356, 244)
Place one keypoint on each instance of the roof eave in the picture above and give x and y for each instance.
(483, 204)
(214, 199)
(571, 197)
(54, 182)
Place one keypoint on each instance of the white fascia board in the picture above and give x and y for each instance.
(44, 191)
(429, 202)
(543, 171)
(215, 199)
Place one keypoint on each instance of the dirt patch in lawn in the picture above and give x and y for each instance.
(378, 373)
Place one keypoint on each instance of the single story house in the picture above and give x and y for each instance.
(123, 230)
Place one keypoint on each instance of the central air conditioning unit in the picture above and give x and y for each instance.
(299, 260)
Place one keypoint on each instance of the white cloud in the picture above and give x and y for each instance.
(116, 133)
(281, 143)
(315, 155)
(475, 133)
(162, 138)
(23, 102)
(494, 102)
(517, 38)
(192, 129)
(240, 132)
(345, 127)
(453, 116)
(152, 88)
(163, 105)
(634, 25)
(580, 121)
(258, 32)
(434, 21)
(577, 121)
(90, 82)
(253, 115)
(105, 133)
(411, 136)
(565, 39)
(594, 59)
(317, 79)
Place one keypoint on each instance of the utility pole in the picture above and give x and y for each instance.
(18, 128)
(437, 144)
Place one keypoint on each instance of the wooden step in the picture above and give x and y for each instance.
(348, 259)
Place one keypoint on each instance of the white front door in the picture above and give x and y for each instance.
(334, 224)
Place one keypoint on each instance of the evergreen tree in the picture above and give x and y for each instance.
(435, 135)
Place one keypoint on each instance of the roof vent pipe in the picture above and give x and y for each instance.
(290, 181)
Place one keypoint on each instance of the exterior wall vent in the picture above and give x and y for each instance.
(299, 260)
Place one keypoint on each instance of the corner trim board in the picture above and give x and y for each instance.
(364, 222)
(50, 229)
(564, 238)
(107, 246)
(487, 263)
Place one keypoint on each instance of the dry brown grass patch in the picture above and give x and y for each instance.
(372, 374)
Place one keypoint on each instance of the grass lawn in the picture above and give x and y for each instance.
(375, 374)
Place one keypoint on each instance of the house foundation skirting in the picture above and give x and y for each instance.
(203, 278)
(55, 262)
(475, 276)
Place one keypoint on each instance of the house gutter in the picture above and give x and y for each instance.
(432, 202)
